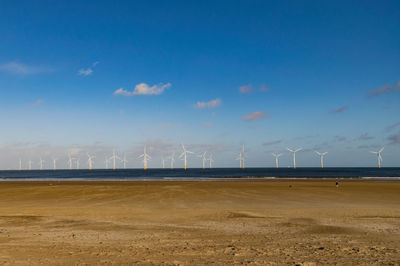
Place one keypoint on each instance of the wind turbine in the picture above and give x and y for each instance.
(20, 165)
(124, 161)
(203, 156)
(30, 164)
(378, 154)
(145, 158)
(321, 155)
(294, 155)
(70, 161)
(41, 163)
(54, 163)
(210, 159)
(277, 158)
(114, 157)
(172, 157)
(184, 155)
(90, 161)
(77, 163)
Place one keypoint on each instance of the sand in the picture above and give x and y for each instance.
(192, 223)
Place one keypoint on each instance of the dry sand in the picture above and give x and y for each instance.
(192, 223)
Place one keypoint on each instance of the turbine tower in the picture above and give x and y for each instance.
(321, 155)
(203, 156)
(184, 155)
(30, 164)
(240, 159)
(172, 157)
(243, 156)
(70, 161)
(210, 159)
(163, 162)
(277, 158)
(77, 163)
(90, 161)
(124, 161)
(146, 157)
(113, 158)
(41, 163)
(294, 155)
(54, 163)
(106, 163)
(378, 154)
(20, 165)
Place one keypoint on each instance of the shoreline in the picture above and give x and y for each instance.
(205, 179)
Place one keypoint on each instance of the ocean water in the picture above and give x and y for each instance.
(204, 174)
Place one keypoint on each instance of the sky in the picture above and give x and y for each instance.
(80, 77)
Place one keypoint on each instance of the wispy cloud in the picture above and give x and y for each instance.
(385, 90)
(87, 71)
(254, 116)
(38, 102)
(391, 127)
(365, 136)
(143, 89)
(367, 146)
(339, 138)
(394, 138)
(264, 88)
(245, 89)
(340, 109)
(269, 143)
(22, 69)
(209, 104)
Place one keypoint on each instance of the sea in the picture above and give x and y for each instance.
(198, 174)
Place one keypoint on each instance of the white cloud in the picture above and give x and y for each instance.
(254, 116)
(143, 89)
(210, 104)
(87, 71)
(22, 69)
(245, 89)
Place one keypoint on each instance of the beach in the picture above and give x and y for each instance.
(305, 222)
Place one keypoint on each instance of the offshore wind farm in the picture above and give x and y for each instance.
(199, 132)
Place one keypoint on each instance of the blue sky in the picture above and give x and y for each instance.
(212, 74)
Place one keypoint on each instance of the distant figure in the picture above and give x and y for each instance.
(337, 184)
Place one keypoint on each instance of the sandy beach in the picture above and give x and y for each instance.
(192, 223)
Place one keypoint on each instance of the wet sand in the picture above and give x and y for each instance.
(192, 223)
